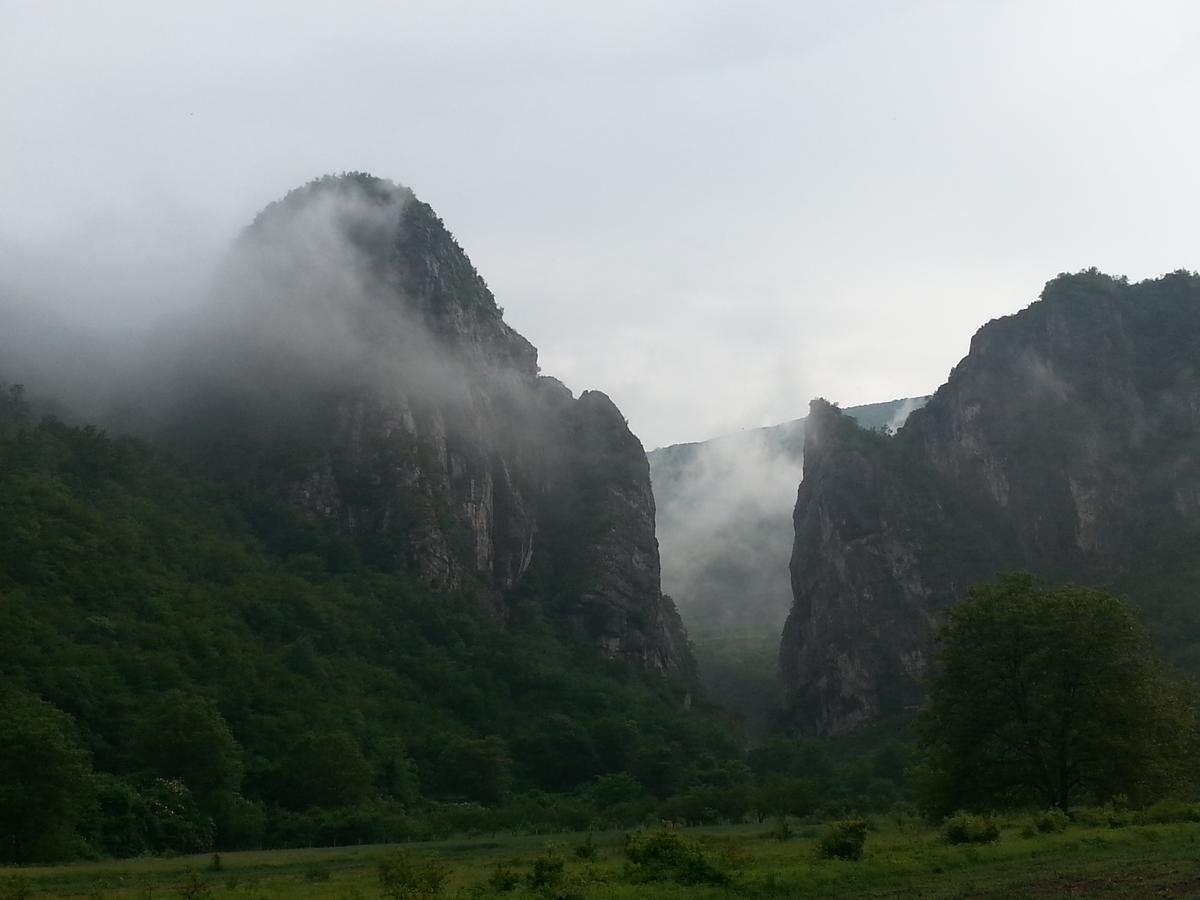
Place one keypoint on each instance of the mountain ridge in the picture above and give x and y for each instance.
(1062, 442)
(363, 575)
(369, 380)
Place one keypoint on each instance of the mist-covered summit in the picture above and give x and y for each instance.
(375, 251)
(348, 362)
(369, 380)
(332, 527)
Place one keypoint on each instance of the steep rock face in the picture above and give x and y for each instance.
(1067, 443)
(871, 566)
(366, 377)
(725, 536)
(600, 518)
(724, 514)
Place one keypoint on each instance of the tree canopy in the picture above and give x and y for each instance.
(1049, 697)
(44, 778)
(194, 667)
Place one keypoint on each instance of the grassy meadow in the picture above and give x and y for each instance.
(898, 860)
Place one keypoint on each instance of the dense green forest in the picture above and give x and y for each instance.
(183, 667)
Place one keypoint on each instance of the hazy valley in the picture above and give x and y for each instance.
(328, 560)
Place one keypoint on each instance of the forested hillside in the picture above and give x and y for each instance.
(226, 665)
(363, 559)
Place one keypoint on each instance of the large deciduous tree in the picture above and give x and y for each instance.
(1049, 697)
(45, 777)
(184, 736)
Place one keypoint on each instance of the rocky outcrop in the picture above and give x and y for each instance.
(725, 536)
(367, 377)
(607, 474)
(724, 521)
(1067, 443)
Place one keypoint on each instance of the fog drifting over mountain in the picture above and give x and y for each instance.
(711, 212)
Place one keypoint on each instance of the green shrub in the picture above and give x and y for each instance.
(965, 828)
(1165, 812)
(843, 840)
(403, 876)
(586, 850)
(1051, 820)
(665, 855)
(547, 871)
(904, 815)
(1117, 818)
(194, 888)
(782, 830)
(1113, 814)
(503, 879)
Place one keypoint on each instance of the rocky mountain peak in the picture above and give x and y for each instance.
(368, 378)
(1066, 443)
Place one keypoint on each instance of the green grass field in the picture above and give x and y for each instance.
(898, 862)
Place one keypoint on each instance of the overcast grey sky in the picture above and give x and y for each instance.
(711, 211)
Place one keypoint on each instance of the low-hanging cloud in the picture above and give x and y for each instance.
(724, 512)
(304, 298)
(725, 522)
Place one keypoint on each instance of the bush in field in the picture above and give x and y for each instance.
(586, 850)
(403, 876)
(1115, 817)
(195, 888)
(965, 828)
(1167, 811)
(1051, 820)
(15, 889)
(843, 840)
(1111, 815)
(782, 830)
(503, 879)
(547, 872)
(665, 855)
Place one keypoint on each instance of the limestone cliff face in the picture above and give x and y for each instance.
(621, 555)
(369, 377)
(1067, 443)
(724, 521)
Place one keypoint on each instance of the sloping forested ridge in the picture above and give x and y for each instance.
(226, 669)
(184, 668)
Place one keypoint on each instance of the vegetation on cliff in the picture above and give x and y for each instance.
(188, 668)
(222, 670)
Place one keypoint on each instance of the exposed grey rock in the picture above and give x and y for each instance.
(369, 378)
(725, 534)
(1066, 443)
